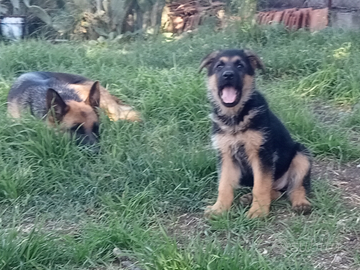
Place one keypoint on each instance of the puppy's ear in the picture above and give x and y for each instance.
(254, 60)
(208, 60)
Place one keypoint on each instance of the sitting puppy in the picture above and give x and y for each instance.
(254, 147)
(68, 100)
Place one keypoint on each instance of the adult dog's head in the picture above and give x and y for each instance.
(230, 76)
(79, 118)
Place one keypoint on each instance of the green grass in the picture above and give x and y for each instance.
(63, 208)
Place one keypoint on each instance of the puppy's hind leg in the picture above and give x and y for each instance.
(299, 183)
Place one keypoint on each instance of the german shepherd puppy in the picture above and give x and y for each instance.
(254, 147)
(68, 100)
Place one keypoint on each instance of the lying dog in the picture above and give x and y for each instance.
(68, 100)
(254, 147)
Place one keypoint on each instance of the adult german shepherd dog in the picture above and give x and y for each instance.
(254, 147)
(68, 100)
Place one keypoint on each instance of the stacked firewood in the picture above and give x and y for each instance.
(308, 18)
(185, 15)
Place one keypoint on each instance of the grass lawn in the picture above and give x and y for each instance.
(141, 200)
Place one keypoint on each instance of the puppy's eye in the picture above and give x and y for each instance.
(239, 65)
(220, 66)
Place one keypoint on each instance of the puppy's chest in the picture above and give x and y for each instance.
(237, 141)
(230, 143)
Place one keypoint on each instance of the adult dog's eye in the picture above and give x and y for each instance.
(77, 129)
(95, 129)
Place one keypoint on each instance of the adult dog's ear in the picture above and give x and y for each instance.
(254, 60)
(55, 106)
(94, 96)
(208, 60)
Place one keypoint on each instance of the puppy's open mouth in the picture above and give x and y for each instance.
(228, 95)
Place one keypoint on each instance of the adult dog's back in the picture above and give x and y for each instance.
(81, 86)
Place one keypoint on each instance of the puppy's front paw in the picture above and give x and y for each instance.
(215, 210)
(257, 211)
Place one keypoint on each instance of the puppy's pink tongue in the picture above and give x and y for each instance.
(228, 95)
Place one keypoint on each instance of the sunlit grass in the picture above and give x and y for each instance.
(79, 206)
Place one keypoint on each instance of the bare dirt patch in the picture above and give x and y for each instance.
(341, 256)
(187, 226)
(345, 177)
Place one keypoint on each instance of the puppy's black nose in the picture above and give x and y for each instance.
(228, 74)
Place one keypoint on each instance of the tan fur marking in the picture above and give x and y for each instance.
(261, 191)
(248, 87)
(236, 58)
(299, 167)
(298, 197)
(79, 113)
(230, 175)
(14, 109)
(83, 89)
(225, 59)
(262, 179)
(275, 194)
(213, 90)
(253, 141)
(114, 107)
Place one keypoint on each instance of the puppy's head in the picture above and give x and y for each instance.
(230, 74)
(79, 118)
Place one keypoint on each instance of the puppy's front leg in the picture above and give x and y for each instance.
(261, 191)
(229, 179)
